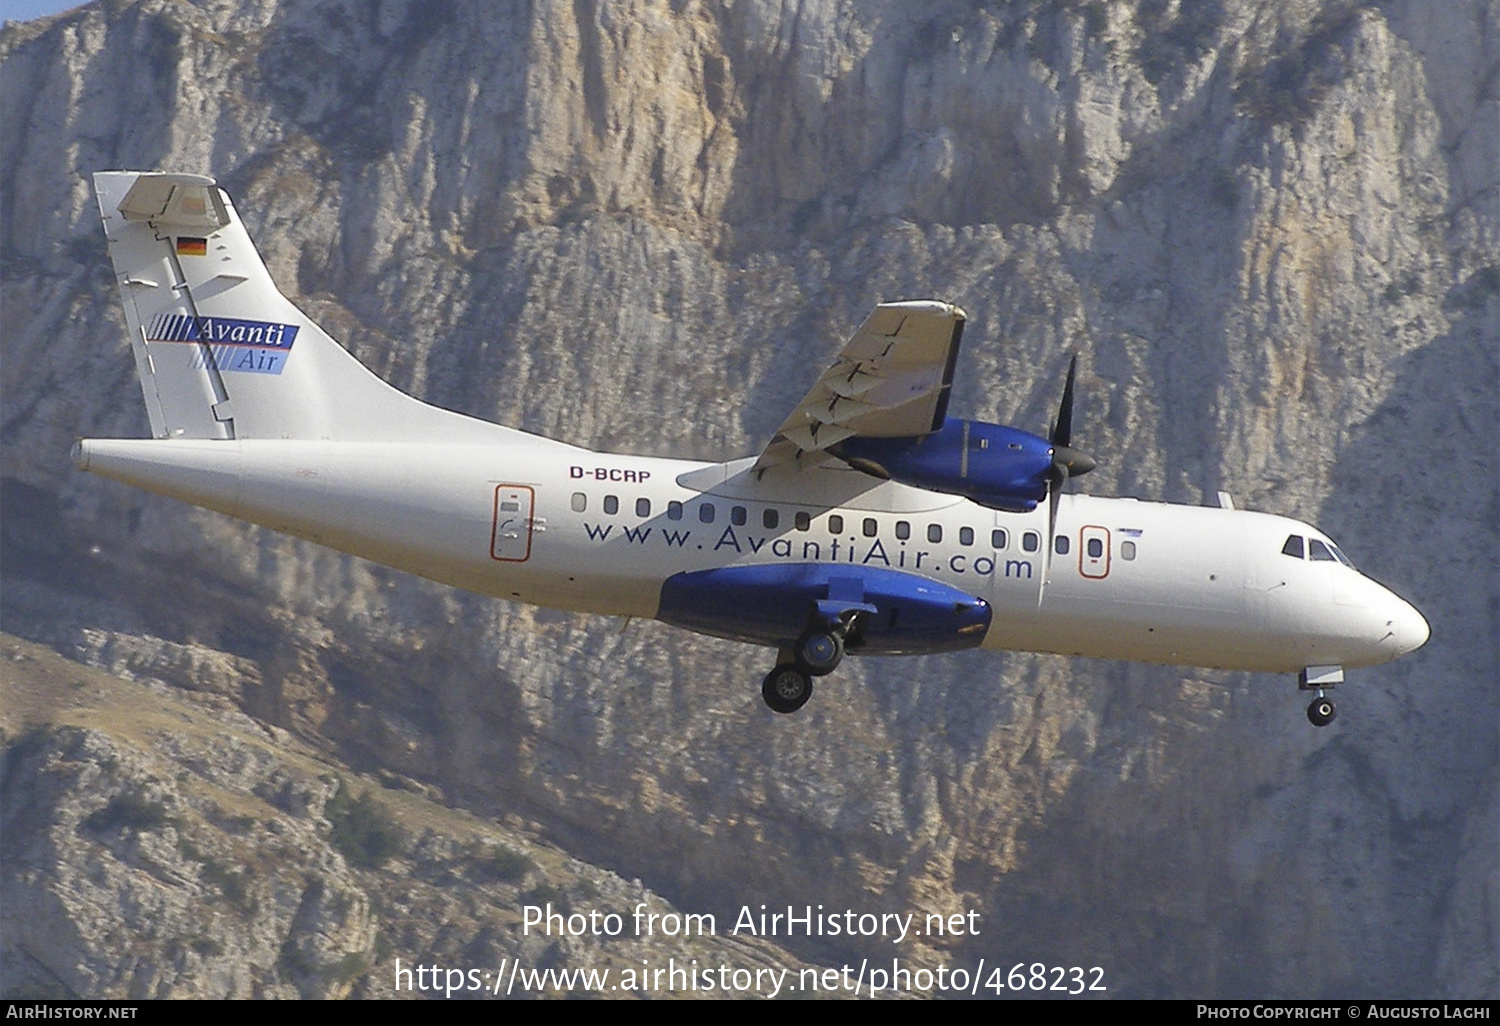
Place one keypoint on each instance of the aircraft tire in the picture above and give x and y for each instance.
(1321, 712)
(787, 688)
(819, 652)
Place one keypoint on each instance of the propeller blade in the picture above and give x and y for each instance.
(1062, 427)
(1066, 462)
(1070, 461)
(1059, 478)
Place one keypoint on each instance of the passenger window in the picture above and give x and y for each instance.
(1127, 550)
(934, 533)
(580, 502)
(869, 527)
(1031, 541)
(903, 530)
(643, 508)
(1318, 552)
(999, 538)
(1060, 543)
(737, 516)
(966, 536)
(770, 518)
(835, 524)
(1095, 548)
(1293, 546)
(802, 521)
(611, 504)
(706, 513)
(674, 511)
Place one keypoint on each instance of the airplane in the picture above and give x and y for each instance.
(871, 524)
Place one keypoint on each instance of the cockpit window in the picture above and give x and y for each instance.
(1339, 554)
(1293, 547)
(1318, 552)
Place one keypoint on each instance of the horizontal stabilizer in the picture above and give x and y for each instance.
(176, 201)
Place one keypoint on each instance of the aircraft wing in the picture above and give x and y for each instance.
(891, 380)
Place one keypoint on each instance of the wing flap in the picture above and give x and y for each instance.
(817, 435)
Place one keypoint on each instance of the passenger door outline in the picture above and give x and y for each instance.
(1093, 567)
(510, 530)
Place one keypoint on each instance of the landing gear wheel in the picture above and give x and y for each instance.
(786, 688)
(819, 652)
(1321, 712)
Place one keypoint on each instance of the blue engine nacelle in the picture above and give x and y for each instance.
(994, 465)
(772, 604)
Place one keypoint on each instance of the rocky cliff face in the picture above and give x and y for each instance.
(1269, 229)
(162, 848)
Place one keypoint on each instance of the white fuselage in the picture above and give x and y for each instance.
(554, 525)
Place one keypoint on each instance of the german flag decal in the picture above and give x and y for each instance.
(188, 246)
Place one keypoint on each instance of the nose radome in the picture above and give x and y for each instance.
(1412, 630)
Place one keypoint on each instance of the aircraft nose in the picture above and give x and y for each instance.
(1402, 628)
(1412, 630)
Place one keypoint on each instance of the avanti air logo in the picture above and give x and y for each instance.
(256, 347)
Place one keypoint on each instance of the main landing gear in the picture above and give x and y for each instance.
(786, 688)
(819, 652)
(1317, 678)
(816, 653)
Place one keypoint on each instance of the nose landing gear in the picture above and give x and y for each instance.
(1316, 678)
(1322, 711)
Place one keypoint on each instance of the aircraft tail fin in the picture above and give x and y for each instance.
(220, 351)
